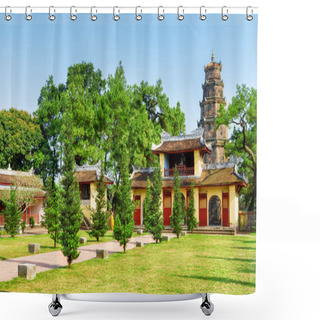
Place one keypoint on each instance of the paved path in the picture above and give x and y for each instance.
(55, 259)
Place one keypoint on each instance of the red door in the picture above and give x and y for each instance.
(203, 212)
(167, 208)
(225, 209)
(137, 211)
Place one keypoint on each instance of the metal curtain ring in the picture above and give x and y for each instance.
(138, 16)
(6, 15)
(160, 16)
(28, 16)
(116, 17)
(203, 14)
(93, 16)
(73, 16)
(51, 16)
(180, 15)
(249, 17)
(224, 13)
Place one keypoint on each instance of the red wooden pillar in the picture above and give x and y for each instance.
(225, 209)
(167, 207)
(137, 211)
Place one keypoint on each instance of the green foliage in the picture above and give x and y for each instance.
(124, 223)
(241, 117)
(12, 214)
(31, 221)
(191, 219)
(52, 204)
(23, 226)
(177, 217)
(99, 215)
(70, 211)
(20, 137)
(152, 214)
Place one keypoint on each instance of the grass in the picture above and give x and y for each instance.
(18, 246)
(196, 263)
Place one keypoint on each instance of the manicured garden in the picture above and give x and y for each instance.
(18, 246)
(196, 263)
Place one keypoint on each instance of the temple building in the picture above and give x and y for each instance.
(22, 180)
(87, 176)
(200, 158)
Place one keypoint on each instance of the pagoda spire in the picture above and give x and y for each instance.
(212, 56)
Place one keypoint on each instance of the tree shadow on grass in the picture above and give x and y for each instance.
(244, 248)
(3, 258)
(219, 279)
(230, 259)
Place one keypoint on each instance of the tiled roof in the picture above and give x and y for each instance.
(37, 193)
(90, 176)
(181, 145)
(211, 177)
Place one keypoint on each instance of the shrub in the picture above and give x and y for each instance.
(31, 221)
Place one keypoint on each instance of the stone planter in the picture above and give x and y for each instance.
(27, 271)
(83, 240)
(139, 244)
(34, 247)
(102, 253)
(165, 238)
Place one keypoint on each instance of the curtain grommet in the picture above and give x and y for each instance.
(224, 13)
(28, 16)
(180, 14)
(73, 16)
(116, 17)
(249, 17)
(52, 17)
(93, 17)
(7, 16)
(138, 16)
(203, 13)
(160, 16)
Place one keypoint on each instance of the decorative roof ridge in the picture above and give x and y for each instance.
(195, 134)
(10, 172)
(221, 165)
(138, 169)
(182, 177)
(87, 167)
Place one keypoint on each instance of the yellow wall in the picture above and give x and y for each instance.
(86, 209)
(198, 162)
(233, 206)
(161, 160)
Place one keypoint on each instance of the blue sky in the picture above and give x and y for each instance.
(174, 51)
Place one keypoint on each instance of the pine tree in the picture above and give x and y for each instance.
(153, 216)
(191, 219)
(146, 208)
(124, 223)
(70, 211)
(176, 219)
(12, 214)
(100, 215)
(52, 210)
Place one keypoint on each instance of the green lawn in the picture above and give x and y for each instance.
(18, 246)
(196, 263)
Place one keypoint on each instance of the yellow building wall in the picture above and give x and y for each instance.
(233, 206)
(86, 209)
(198, 162)
(161, 160)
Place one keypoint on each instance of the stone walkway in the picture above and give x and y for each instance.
(55, 259)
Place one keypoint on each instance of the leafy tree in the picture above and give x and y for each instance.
(70, 211)
(176, 219)
(99, 215)
(191, 219)
(48, 116)
(52, 205)
(152, 213)
(12, 214)
(124, 223)
(241, 116)
(20, 137)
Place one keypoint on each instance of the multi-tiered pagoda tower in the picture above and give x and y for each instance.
(210, 105)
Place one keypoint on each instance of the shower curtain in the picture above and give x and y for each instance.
(128, 153)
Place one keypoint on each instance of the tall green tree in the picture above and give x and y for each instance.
(152, 218)
(12, 214)
(20, 137)
(124, 222)
(100, 215)
(191, 219)
(176, 219)
(241, 117)
(48, 116)
(52, 204)
(70, 211)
